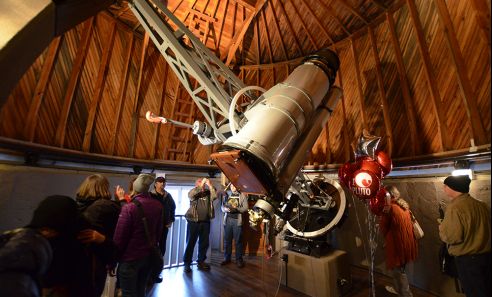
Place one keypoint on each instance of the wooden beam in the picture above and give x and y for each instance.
(284, 50)
(138, 99)
(382, 92)
(405, 89)
(238, 38)
(313, 41)
(378, 4)
(291, 29)
(482, 14)
(431, 78)
(269, 45)
(73, 81)
(323, 29)
(334, 16)
(469, 96)
(155, 137)
(258, 56)
(121, 94)
(245, 4)
(359, 85)
(222, 23)
(41, 86)
(355, 12)
(170, 128)
(346, 141)
(98, 90)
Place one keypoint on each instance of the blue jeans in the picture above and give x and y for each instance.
(196, 231)
(233, 230)
(133, 276)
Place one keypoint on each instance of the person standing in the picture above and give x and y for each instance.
(233, 206)
(131, 239)
(199, 214)
(466, 230)
(169, 205)
(94, 203)
(400, 243)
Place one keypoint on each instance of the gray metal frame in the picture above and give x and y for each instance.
(210, 83)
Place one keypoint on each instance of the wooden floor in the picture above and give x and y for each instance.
(259, 278)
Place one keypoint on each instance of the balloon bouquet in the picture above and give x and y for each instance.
(364, 176)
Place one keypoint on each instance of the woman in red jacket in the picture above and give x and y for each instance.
(400, 243)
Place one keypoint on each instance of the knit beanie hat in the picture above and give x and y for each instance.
(142, 183)
(458, 183)
(56, 212)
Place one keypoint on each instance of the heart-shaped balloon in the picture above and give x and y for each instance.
(365, 184)
(385, 161)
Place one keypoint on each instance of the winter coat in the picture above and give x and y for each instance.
(25, 255)
(240, 208)
(169, 205)
(397, 229)
(195, 194)
(102, 216)
(129, 236)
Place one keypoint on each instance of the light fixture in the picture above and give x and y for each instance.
(462, 167)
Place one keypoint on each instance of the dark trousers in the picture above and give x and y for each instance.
(163, 240)
(474, 274)
(133, 277)
(196, 231)
(233, 230)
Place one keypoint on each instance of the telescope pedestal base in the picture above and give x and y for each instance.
(327, 276)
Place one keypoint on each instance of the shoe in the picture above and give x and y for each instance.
(391, 290)
(225, 262)
(203, 266)
(240, 263)
(187, 269)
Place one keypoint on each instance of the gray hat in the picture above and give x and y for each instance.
(142, 183)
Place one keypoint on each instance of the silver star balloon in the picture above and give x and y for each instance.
(367, 146)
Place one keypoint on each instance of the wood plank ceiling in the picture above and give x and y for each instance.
(416, 72)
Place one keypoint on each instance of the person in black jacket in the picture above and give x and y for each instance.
(169, 205)
(95, 204)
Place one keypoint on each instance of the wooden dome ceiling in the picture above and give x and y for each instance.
(416, 72)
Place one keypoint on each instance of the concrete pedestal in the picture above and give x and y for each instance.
(317, 277)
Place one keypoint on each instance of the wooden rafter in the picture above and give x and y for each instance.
(277, 27)
(238, 38)
(269, 44)
(346, 142)
(291, 29)
(121, 94)
(430, 77)
(41, 86)
(258, 56)
(221, 28)
(382, 92)
(379, 4)
(303, 24)
(331, 12)
(98, 90)
(353, 11)
(482, 14)
(245, 4)
(73, 81)
(155, 138)
(137, 102)
(170, 128)
(359, 84)
(469, 96)
(323, 29)
(405, 89)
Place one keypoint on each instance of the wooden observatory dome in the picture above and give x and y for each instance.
(415, 72)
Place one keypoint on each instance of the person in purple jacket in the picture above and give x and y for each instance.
(134, 250)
